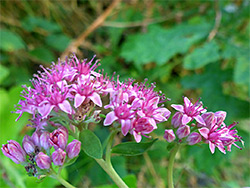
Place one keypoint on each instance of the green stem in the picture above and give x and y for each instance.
(61, 180)
(107, 167)
(171, 165)
(109, 146)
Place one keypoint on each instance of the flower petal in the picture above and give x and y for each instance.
(204, 132)
(96, 99)
(78, 100)
(200, 120)
(212, 147)
(178, 107)
(187, 102)
(45, 109)
(65, 106)
(185, 119)
(126, 124)
(110, 118)
(137, 137)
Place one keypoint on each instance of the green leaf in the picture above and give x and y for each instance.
(202, 56)
(242, 70)
(10, 41)
(132, 148)
(159, 45)
(58, 41)
(31, 23)
(43, 54)
(91, 144)
(4, 72)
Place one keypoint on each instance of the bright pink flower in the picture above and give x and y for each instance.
(193, 138)
(183, 131)
(190, 111)
(59, 138)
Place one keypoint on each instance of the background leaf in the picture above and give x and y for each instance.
(10, 41)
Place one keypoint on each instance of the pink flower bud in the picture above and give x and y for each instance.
(58, 157)
(193, 138)
(177, 119)
(43, 161)
(220, 117)
(14, 151)
(169, 135)
(73, 149)
(28, 144)
(209, 120)
(183, 131)
(59, 138)
(44, 140)
(36, 138)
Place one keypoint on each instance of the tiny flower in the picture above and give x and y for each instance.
(177, 119)
(183, 131)
(28, 145)
(193, 138)
(73, 149)
(58, 157)
(169, 135)
(59, 138)
(43, 161)
(190, 111)
(14, 151)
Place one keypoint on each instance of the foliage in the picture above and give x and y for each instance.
(174, 51)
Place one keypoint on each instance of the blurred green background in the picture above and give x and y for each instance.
(192, 48)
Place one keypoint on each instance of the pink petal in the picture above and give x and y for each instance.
(152, 122)
(65, 106)
(96, 99)
(204, 132)
(110, 118)
(137, 137)
(126, 124)
(154, 102)
(212, 147)
(140, 113)
(185, 119)
(187, 102)
(45, 109)
(178, 107)
(200, 120)
(78, 100)
(221, 148)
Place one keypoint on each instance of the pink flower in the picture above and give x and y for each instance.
(73, 149)
(193, 138)
(58, 157)
(183, 131)
(190, 111)
(43, 161)
(59, 138)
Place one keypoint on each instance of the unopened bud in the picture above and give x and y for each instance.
(183, 131)
(220, 117)
(59, 138)
(209, 120)
(193, 138)
(58, 157)
(177, 119)
(14, 151)
(169, 135)
(43, 161)
(73, 149)
(44, 140)
(28, 144)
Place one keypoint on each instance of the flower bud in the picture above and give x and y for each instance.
(183, 131)
(44, 140)
(73, 149)
(193, 138)
(169, 135)
(220, 117)
(36, 138)
(43, 161)
(14, 151)
(28, 144)
(58, 157)
(209, 120)
(177, 119)
(59, 138)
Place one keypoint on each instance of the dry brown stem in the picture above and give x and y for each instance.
(78, 41)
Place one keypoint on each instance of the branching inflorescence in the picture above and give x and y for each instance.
(69, 95)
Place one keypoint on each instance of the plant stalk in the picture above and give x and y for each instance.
(171, 165)
(61, 180)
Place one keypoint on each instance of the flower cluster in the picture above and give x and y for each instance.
(135, 107)
(207, 127)
(35, 153)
